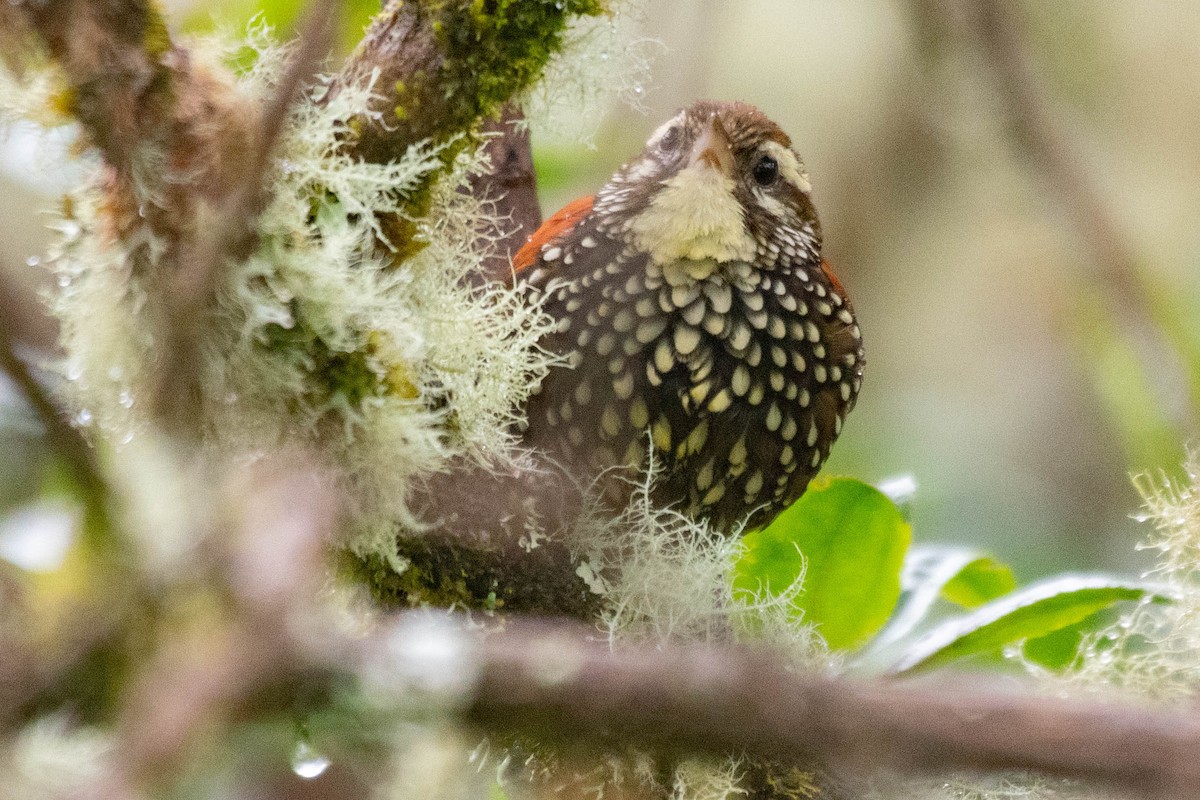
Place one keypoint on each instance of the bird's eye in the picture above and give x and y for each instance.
(766, 171)
(669, 140)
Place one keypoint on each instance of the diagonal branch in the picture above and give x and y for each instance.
(67, 442)
(510, 188)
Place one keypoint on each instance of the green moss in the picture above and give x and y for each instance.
(349, 376)
(491, 50)
(447, 573)
(401, 230)
(495, 48)
(156, 37)
(434, 578)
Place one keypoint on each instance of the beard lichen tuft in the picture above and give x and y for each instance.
(625, 557)
(602, 58)
(1154, 648)
(388, 369)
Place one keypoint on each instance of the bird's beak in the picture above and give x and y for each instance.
(712, 148)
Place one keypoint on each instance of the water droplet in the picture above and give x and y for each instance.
(142, 212)
(33, 261)
(83, 418)
(127, 438)
(308, 763)
(125, 399)
(115, 373)
(64, 281)
(74, 372)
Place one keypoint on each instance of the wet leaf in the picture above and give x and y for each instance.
(848, 540)
(1035, 611)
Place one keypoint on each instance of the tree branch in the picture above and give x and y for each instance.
(549, 682)
(63, 439)
(189, 294)
(441, 71)
(510, 188)
(442, 68)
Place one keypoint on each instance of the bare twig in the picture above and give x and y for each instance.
(548, 681)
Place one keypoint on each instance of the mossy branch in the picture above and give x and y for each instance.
(441, 67)
(443, 70)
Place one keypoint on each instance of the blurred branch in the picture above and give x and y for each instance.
(550, 682)
(269, 562)
(118, 63)
(995, 30)
(24, 315)
(189, 295)
(78, 457)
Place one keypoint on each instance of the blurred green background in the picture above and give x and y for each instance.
(1003, 370)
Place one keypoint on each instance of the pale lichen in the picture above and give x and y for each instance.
(628, 557)
(318, 336)
(603, 59)
(1154, 648)
(53, 758)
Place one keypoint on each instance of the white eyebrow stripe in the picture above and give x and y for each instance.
(662, 129)
(789, 166)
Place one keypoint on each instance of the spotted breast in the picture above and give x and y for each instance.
(698, 323)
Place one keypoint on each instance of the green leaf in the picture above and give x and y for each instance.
(1032, 612)
(848, 541)
(901, 490)
(979, 582)
(1058, 649)
(928, 571)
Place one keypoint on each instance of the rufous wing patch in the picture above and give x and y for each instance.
(559, 223)
(833, 279)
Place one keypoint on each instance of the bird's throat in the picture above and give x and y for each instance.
(694, 216)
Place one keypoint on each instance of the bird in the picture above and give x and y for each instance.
(700, 331)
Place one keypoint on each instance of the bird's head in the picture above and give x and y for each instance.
(718, 181)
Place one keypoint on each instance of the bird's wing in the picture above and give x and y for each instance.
(562, 221)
